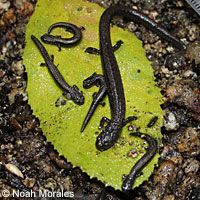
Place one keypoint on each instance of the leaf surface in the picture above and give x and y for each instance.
(62, 124)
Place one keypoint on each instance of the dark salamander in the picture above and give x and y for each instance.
(146, 158)
(58, 40)
(115, 91)
(73, 92)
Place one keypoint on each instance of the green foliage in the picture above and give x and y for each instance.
(61, 124)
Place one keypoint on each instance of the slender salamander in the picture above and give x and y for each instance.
(146, 158)
(75, 94)
(115, 91)
(58, 40)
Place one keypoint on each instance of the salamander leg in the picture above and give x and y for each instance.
(44, 64)
(129, 119)
(95, 51)
(92, 50)
(103, 121)
(75, 87)
(59, 47)
(52, 58)
(94, 96)
(82, 28)
(98, 80)
(117, 45)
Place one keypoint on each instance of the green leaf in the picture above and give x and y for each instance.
(62, 124)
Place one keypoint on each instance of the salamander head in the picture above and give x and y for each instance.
(76, 95)
(47, 38)
(108, 137)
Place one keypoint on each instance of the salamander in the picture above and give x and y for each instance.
(111, 132)
(146, 158)
(72, 92)
(58, 40)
